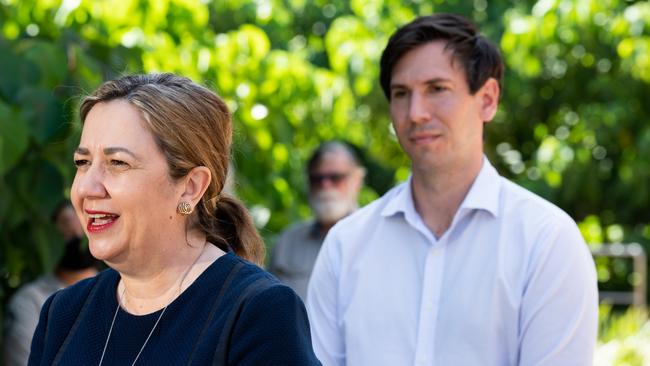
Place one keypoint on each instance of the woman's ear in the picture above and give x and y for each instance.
(196, 183)
(489, 99)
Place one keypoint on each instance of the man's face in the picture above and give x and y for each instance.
(438, 122)
(334, 185)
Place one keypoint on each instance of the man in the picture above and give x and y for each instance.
(456, 266)
(25, 306)
(335, 178)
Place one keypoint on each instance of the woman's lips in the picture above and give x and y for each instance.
(100, 221)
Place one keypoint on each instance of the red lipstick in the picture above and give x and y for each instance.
(99, 221)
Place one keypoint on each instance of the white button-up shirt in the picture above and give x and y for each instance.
(511, 282)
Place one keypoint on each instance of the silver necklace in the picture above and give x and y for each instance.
(120, 300)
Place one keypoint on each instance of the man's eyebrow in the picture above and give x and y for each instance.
(107, 151)
(437, 80)
(427, 82)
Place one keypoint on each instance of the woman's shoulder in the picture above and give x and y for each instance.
(267, 322)
(59, 313)
(248, 277)
(70, 299)
(246, 285)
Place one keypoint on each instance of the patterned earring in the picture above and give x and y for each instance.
(184, 208)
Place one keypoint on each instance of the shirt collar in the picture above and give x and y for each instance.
(402, 201)
(482, 195)
(484, 192)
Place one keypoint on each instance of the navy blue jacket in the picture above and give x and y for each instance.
(233, 314)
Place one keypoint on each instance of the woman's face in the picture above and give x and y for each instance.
(122, 191)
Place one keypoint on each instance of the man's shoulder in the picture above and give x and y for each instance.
(294, 236)
(302, 228)
(521, 204)
(35, 292)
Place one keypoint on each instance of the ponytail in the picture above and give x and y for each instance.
(230, 227)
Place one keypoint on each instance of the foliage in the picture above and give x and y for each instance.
(294, 72)
(623, 339)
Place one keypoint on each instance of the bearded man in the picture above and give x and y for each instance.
(335, 179)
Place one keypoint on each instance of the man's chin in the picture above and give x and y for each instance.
(329, 209)
(331, 216)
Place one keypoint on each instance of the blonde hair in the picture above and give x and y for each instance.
(192, 127)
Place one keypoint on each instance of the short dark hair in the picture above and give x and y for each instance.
(479, 58)
(332, 146)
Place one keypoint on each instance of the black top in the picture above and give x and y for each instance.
(233, 314)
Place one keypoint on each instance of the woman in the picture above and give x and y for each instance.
(151, 166)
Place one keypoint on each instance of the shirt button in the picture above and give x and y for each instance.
(422, 361)
(429, 306)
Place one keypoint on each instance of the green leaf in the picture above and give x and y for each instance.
(50, 58)
(16, 72)
(15, 134)
(42, 111)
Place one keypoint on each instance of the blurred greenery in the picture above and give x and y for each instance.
(572, 125)
(623, 338)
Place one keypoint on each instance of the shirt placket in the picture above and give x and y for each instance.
(429, 305)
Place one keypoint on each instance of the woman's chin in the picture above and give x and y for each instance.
(103, 250)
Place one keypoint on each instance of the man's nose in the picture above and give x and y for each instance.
(327, 182)
(418, 108)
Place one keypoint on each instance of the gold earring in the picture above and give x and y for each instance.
(184, 208)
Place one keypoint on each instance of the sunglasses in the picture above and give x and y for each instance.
(319, 179)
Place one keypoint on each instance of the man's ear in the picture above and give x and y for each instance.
(196, 183)
(356, 180)
(489, 99)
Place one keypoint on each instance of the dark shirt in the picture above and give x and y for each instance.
(233, 314)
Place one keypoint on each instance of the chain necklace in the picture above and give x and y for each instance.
(121, 299)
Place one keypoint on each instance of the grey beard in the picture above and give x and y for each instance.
(329, 207)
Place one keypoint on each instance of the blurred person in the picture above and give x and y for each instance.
(335, 178)
(151, 165)
(75, 264)
(457, 265)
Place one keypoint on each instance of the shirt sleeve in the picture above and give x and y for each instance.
(273, 329)
(22, 318)
(559, 314)
(322, 305)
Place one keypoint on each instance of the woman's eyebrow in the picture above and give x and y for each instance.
(107, 151)
(115, 150)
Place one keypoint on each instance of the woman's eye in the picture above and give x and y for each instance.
(119, 163)
(80, 162)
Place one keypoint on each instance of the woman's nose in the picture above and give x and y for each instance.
(89, 183)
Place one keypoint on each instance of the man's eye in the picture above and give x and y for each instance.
(399, 94)
(437, 88)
